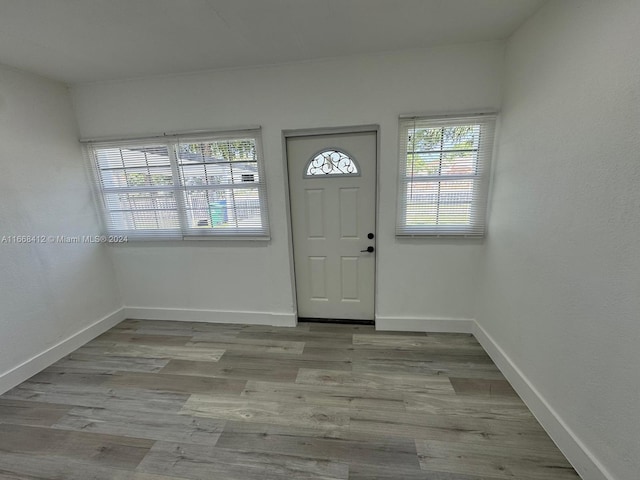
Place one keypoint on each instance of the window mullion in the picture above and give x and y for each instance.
(440, 175)
(409, 186)
(262, 186)
(233, 194)
(177, 186)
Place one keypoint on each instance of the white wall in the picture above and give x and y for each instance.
(437, 278)
(48, 292)
(561, 279)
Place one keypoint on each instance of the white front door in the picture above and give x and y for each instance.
(332, 182)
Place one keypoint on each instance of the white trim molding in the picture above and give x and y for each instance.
(42, 360)
(425, 324)
(585, 463)
(275, 319)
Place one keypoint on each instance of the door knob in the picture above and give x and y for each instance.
(368, 249)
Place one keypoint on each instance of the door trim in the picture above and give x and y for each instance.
(309, 132)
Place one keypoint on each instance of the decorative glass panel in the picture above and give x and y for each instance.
(332, 162)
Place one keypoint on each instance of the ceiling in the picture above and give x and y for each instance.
(79, 41)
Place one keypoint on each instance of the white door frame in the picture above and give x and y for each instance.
(308, 132)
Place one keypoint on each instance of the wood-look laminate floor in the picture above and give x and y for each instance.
(153, 400)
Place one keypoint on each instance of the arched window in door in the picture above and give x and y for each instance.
(331, 162)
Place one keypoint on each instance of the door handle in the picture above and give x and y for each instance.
(369, 249)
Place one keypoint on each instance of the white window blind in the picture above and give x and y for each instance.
(187, 186)
(444, 175)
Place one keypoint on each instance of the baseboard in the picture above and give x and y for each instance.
(418, 324)
(212, 316)
(585, 463)
(42, 360)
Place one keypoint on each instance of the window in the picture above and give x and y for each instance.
(444, 167)
(178, 187)
(331, 162)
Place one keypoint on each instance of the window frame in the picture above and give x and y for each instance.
(179, 188)
(476, 228)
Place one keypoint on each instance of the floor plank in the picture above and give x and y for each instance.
(482, 386)
(451, 428)
(37, 467)
(180, 329)
(340, 329)
(278, 361)
(366, 354)
(370, 450)
(263, 411)
(370, 472)
(503, 462)
(134, 399)
(247, 345)
(202, 353)
(86, 362)
(406, 383)
(141, 424)
(100, 450)
(345, 397)
(19, 412)
(205, 463)
(138, 338)
(261, 371)
(430, 367)
(61, 374)
(300, 329)
(460, 344)
(187, 384)
(319, 339)
(505, 407)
